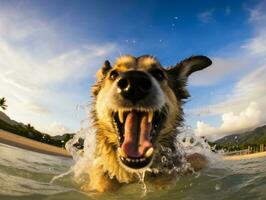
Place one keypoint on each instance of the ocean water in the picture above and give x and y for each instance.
(27, 175)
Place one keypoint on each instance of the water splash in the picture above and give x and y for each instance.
(82, 148)
(141, 176)
(61, 175)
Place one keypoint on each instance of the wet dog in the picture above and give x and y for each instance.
(136, 109)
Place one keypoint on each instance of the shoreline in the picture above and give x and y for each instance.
(246, 156)
(39, 147)
(31, 145)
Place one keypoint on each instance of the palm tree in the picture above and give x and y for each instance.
(29, 127)
(3, 103)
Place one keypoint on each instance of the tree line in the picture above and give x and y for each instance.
(29, 131)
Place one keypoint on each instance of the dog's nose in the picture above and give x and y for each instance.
(134, 85)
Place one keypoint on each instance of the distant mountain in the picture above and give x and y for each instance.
(7, 119)
(29, 131)
(254, 137)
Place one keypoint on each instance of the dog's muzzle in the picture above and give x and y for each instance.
(134, 86)
(139, 119)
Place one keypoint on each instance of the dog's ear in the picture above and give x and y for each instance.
(186, 67)
(178, 75)
(103, 71)
(100, 76)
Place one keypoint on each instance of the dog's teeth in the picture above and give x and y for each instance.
(149, 152)
(121, 152)
(142, 159)
(150, 116)
(121, 116)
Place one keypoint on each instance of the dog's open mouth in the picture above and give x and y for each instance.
(137, 134)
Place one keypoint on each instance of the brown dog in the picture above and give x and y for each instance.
(136, 110)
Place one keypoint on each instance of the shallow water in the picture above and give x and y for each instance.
(26, 175)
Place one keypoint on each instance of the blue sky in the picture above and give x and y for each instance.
(50, 51)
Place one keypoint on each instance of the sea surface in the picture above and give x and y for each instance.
(27, 175)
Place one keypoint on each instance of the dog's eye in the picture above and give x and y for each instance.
(158, 74)
(113, 75)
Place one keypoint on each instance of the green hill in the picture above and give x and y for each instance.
(29, 131)
(241, 141)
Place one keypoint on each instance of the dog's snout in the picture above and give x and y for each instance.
(134, 85)
(123, 84)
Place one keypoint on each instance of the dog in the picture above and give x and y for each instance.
(136, 109)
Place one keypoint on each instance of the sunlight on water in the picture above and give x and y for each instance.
(27, 172)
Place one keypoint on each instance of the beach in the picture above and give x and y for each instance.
(246, 156)
(32, 145)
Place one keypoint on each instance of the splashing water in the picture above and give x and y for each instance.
(187, 143)
(141, 176)
(83, 157)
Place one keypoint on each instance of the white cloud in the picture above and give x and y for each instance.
(21, 25)
(250, 88)
(57, 128)
(257, 13)
(247, 119)
(34, 68)
(243, 108)
(24, 71)
(33, 107)
(240, 59)
(257, 18)
(206, 16)
(257, 45)
(220, 69)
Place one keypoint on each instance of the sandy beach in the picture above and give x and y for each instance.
(32, 145)
(246, 156)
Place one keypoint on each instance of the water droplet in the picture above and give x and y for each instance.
(163, 159)
(217, 187)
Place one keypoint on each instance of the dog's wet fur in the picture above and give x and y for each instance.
(137, 108)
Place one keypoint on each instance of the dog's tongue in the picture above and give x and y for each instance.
(136, 134)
